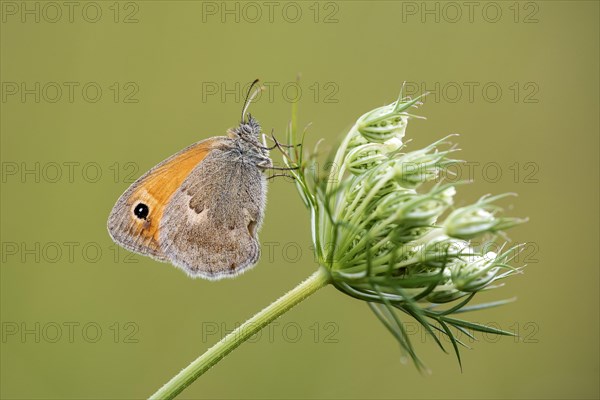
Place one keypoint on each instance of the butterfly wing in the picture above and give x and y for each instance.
(209, 228)
(154, 190)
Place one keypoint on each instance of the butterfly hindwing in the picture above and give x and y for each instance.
(210, 225)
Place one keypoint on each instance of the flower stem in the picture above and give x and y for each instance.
(213, 355)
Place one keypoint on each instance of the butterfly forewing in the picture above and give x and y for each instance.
(138, 231)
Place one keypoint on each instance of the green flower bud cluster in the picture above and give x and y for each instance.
(385, 226)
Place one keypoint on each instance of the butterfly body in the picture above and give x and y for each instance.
(201, 208)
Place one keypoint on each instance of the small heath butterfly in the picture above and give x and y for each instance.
(201, 208)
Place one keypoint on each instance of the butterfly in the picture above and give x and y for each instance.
(201, 208)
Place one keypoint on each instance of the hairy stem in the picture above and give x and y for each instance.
(213, 355)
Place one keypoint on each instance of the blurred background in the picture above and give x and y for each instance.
(96, 93)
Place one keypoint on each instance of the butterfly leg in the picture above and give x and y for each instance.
(266, 163)
(282, 169)
(281, 175)
(278, 143)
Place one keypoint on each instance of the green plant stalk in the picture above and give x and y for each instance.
(226, 345)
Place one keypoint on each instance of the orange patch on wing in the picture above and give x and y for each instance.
(157, 188)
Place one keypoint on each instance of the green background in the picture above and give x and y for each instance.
(352, 56)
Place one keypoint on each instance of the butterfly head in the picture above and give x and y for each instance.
(248, 129)
(248, 138)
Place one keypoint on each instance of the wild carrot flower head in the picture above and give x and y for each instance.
(385, 226)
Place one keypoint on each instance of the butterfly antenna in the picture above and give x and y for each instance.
(249, 98)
